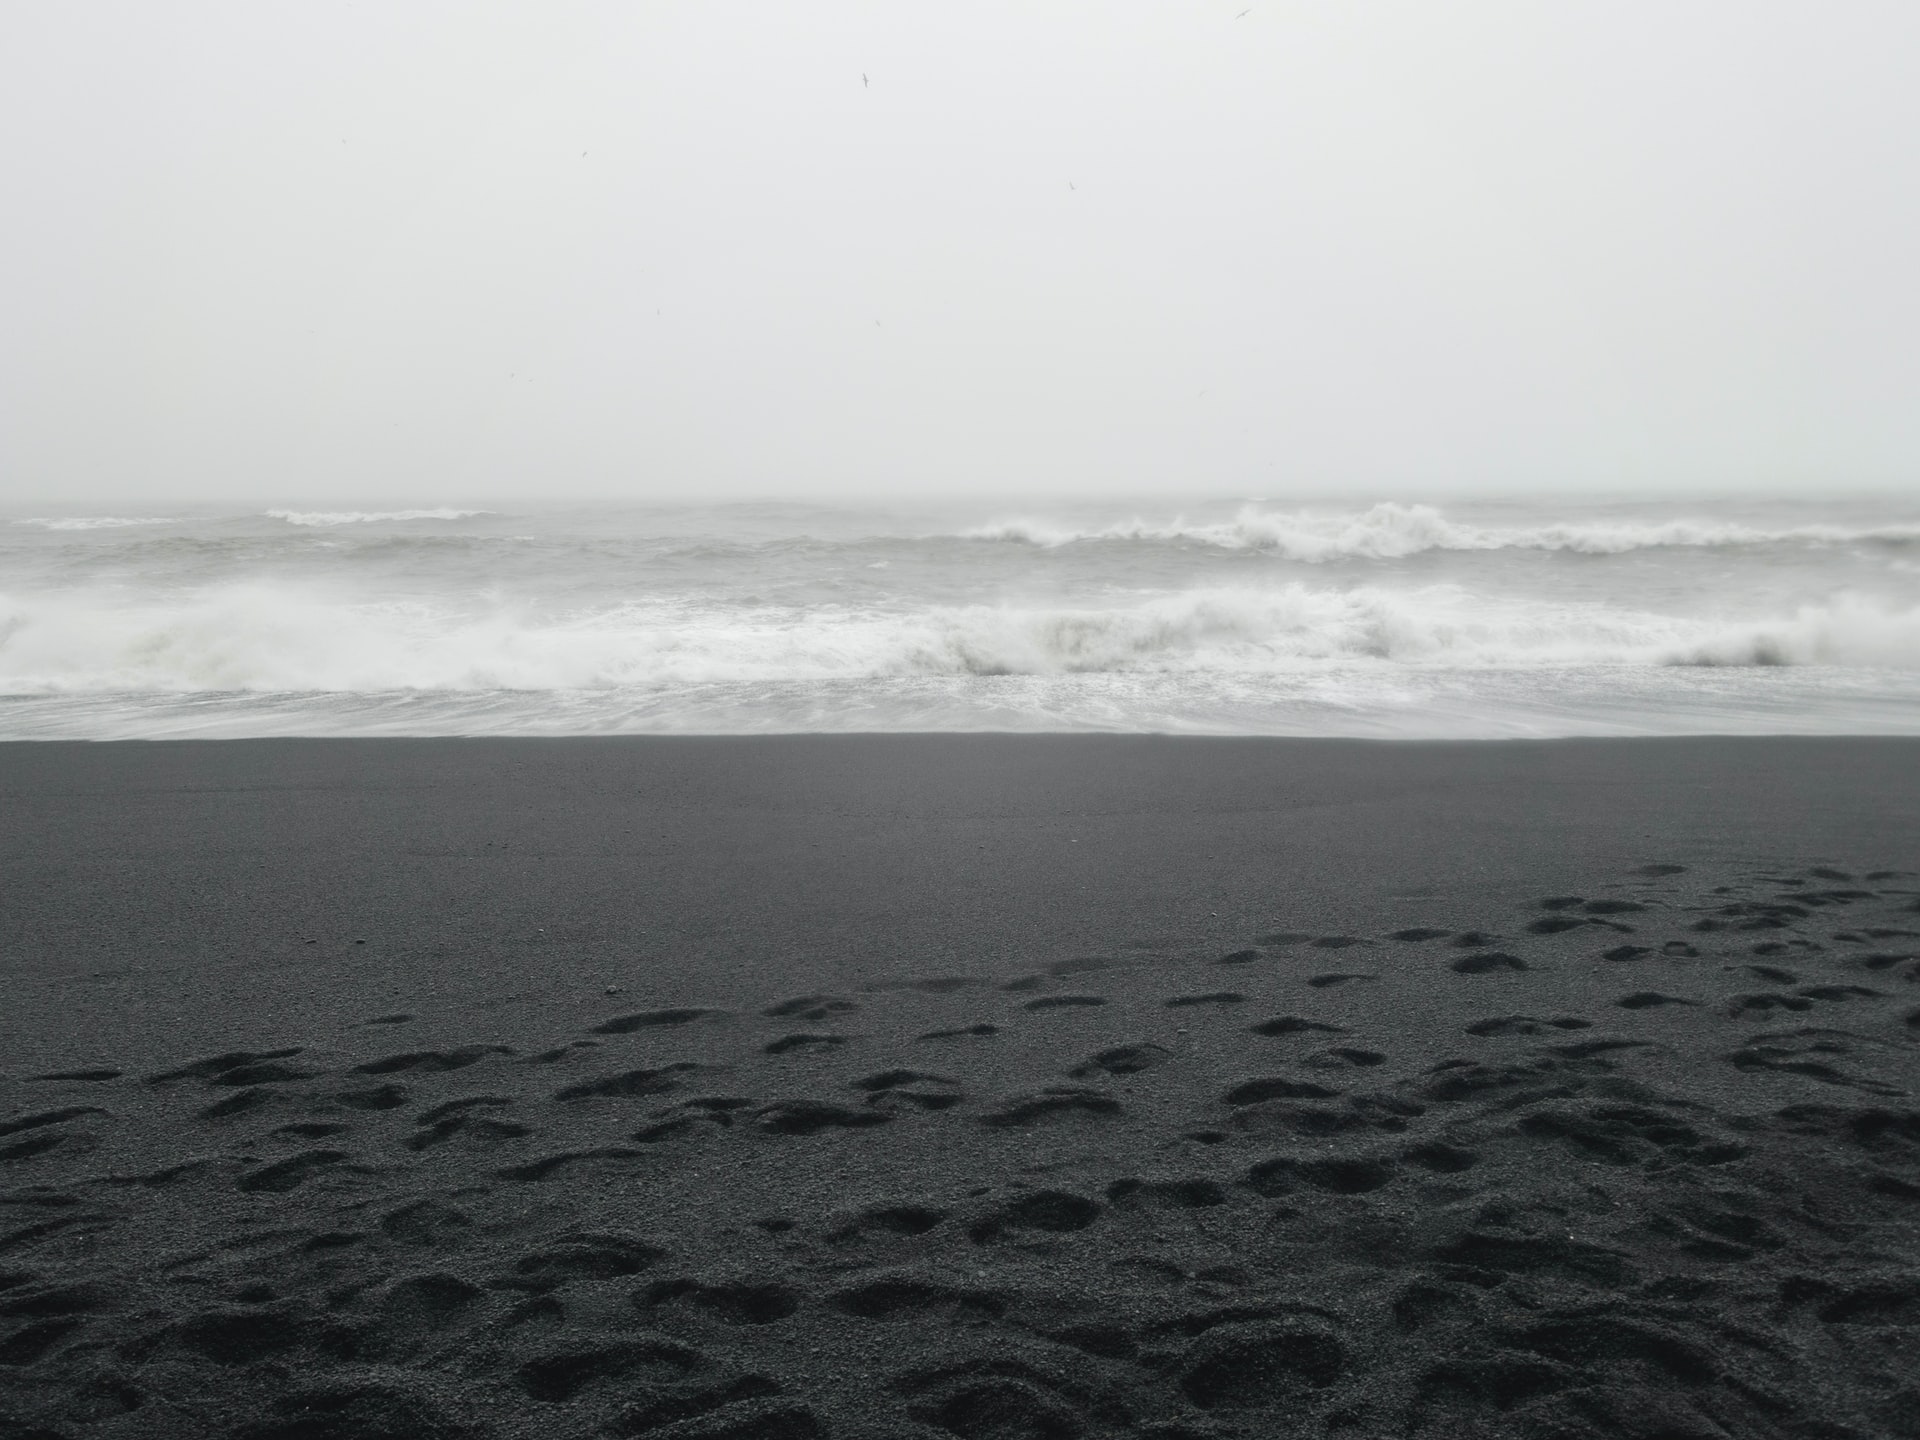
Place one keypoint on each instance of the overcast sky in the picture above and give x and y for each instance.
(660, 251)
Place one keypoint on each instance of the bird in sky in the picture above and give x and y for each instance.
(1243, 14)
(863, 80)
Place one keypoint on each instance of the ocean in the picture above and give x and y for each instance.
(1249, 617)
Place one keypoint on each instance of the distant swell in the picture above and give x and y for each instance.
(1392, 531)
(368, 517)
(93, 522)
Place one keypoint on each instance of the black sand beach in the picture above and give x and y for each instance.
(960, 1086)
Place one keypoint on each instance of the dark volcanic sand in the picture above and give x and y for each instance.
(937, 1086)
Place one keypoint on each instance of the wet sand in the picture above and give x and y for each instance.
(976, 1086)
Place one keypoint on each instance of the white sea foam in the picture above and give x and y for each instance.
(1392, 532)
(264, 637)
(93, 522)
(1760, 618)
(368, 517)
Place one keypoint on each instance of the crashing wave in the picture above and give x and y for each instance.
(368, 517)
(277, 637)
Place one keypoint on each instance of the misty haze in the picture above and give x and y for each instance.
(876, 721)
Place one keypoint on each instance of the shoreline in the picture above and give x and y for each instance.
(169, 870)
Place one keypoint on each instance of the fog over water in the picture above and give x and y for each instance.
(1387, 368)
(431, 253)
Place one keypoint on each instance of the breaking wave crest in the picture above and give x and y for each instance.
(1393, 531)
(368, 517)
(261, 637)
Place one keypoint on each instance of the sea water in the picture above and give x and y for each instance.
(1263, 616)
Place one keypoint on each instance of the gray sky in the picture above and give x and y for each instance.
(662, 251)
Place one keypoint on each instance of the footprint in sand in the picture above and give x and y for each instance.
(1276, 1087)
(372, 1097)
(1343, 1057)
(1525, 1025)
(1084, 965)
(1122, 1060)
(1760, 1004)
(429, 1061)
(810, 1117)
(48, 1117)
(651, 1019)
(811, 1007)
(242, 1102)
(285, 1175)
(910, 1088)
(1441, 1158)
(561, 1052)
(1604, 1045)
(602, 1158)
(964, 1032)
(1884, 960)
(1626, 1134)
(904, 1219)
(1841, 992)
(803, 1041)
(629, 1083)
(1294, 1025)
(651, 1368)
(732, 1302)
(1065, 1002)
(587, 1256)
(1188, 1193)
(945, 984)
(427, 1224)
(1489, 962)
(916, 1296)
(1650, 999)
(690, 1117)
(1056, 1211)
(1814, 1054)
(950, 1398)
(310, 1129)
(1556, 925)
(1341, 1175)
(1054, 1102)
(239, 1067)
(457, 1120)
